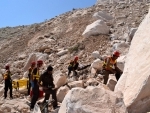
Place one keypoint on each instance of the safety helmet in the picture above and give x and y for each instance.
(76, 58)
(39, 62)
(7, 66)
(116, 53)
(33, 63)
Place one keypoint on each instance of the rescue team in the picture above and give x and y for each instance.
(45, 80)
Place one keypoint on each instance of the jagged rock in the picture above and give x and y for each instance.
(96, 28)
(18, 64)
(47, 51)
(61, 93)
(131, 34)
(95, 54)
(62, 59)
(25, 75)
(92, 82)
(74, 84)
(97, 64)
(22, 57)
(102, 15)
(42, 48)
(62, 52)
(93, 72)
(33, 57)
(15, 76)
(113, 37)
(122, 47)
(92, 100)
(135, 81)
(59, 79)
(111, 84)
(121, 62)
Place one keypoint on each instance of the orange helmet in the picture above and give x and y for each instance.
(7, 67)
(76, 58)
(116, 53)
(39, 62)
(33, 63)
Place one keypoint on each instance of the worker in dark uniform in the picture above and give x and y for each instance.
(46, 81)
(8, 82)
(73, 66)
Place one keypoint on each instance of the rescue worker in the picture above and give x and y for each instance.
(73, 66)
(48, 86)
(29, 75)
(8, 82)
(34, 83)
(110, 67)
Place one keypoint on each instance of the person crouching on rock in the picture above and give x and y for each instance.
(8, 81)
(110, 67)
(73, 66)
(48, 86)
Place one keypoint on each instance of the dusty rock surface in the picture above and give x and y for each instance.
(59, 39)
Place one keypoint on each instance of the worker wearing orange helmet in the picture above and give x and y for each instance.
(73, 66)
(34, 84)
(8, 81)
(29, 75)
(110, 67)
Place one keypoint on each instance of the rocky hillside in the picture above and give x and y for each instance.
(101, 29)
(65, 32)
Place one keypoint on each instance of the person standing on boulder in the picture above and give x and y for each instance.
(48, 86)
(110, 67)
(73, 66)
(29, 75)
(8, 82)
(34, 83)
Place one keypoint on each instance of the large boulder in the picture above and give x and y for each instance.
(97, 64)
(96, 28)
(62, 52)
(59, 79)
(135, 81)
(33, 57)
(74, 84)
(92, 100)
(95, 54)
(61, 93)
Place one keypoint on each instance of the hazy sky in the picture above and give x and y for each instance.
(26, 12)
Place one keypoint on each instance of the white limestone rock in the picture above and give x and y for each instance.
(135, 81)
(33, 57)
(92, 100)
(96, 28)
(95, 54)
(131, 34)
(61, 93)
(62, 52)
(59, 79)
(74, 84)
(111, 84)
(97, 64)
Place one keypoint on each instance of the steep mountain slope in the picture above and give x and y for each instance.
(65, 31)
